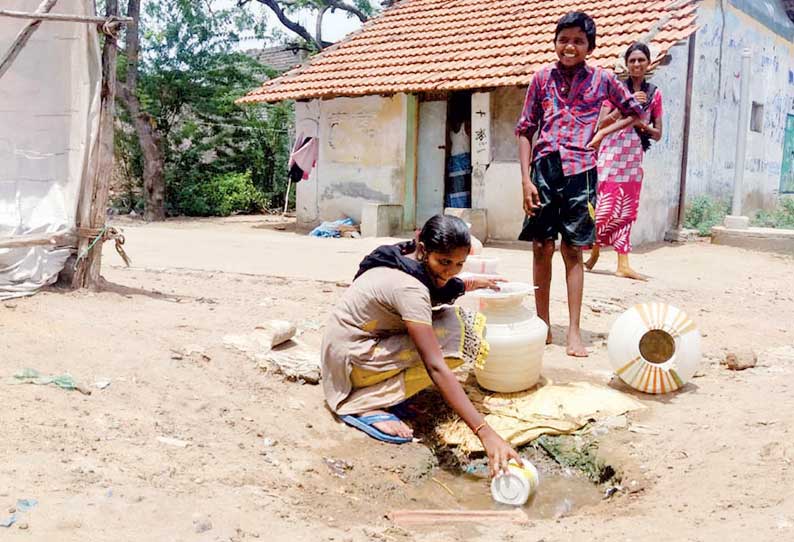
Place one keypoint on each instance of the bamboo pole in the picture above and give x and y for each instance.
(92, 212)
(436, 517)
(59, 239)
(24, 35)
(63, 17)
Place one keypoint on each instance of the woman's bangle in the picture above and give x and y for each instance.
(479, 427)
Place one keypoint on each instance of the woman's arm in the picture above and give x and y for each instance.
(607, 116)
(610, 128)
(655, 130)
(499, 452)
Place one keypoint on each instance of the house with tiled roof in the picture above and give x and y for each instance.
(381, 101)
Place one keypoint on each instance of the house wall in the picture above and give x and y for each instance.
(726, 28)
(361, 159)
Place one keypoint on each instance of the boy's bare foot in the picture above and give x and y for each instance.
(395, 429)
(576, 346)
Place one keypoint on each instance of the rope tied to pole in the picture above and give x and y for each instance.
(111, 27)
(105, 233)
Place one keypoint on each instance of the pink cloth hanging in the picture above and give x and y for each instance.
(304, 155)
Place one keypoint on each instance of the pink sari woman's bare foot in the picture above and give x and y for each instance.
(395, 429)
(576, 346)
(549, 338)
(630, 273)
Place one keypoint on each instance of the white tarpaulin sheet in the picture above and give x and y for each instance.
(49, 115)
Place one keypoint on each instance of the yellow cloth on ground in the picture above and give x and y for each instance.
(553, 409)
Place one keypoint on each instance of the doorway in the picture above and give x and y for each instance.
(443, 173)
(457, 176)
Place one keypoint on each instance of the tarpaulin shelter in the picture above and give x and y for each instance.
(52, 147)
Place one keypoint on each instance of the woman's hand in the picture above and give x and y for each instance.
(499, 452)
(480, 283)
(641, 97)
(595, 143)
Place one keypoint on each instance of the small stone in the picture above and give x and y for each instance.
(741, 360)
(268, 442)
(12, 510)
(23, 526)
(202, 525)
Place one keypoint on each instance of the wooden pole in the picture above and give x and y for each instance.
(59, 239)
(23, 37)
(63, 18)
(92, 212)
(286, 196)
(690, 76)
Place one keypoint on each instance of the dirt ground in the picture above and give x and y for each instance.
(710, 463)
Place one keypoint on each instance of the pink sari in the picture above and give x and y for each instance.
(620, 181)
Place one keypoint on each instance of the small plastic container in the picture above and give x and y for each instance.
(517, 486)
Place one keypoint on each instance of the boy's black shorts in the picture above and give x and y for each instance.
(563, 202)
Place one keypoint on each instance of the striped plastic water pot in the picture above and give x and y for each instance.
(654, 347)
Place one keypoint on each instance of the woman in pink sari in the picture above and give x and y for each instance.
(621, 144)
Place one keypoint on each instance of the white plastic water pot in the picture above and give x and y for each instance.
(654, 347)
(516, 337)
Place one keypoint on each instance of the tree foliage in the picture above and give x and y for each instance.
(190, 73)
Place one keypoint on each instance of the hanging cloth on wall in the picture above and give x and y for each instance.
(303, 157)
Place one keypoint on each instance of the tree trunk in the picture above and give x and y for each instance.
(92, 212)
(145, 127)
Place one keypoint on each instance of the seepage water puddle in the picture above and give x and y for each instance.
(558, 494)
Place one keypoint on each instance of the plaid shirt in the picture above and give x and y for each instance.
(567, 124)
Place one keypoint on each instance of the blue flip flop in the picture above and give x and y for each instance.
(364, 424)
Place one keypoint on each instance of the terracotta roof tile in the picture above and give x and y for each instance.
(425, 45)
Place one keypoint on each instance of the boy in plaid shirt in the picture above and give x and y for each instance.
(562, 106)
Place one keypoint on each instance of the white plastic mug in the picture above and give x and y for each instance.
(517, 485)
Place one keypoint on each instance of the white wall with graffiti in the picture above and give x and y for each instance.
(361, 159)
(726, 28)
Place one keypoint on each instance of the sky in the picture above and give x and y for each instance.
(335, 25)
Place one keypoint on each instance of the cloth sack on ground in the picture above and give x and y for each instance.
(552, 409)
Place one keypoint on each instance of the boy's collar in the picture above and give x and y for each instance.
(583, 66)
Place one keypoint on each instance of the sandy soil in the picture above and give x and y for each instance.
(712, 463)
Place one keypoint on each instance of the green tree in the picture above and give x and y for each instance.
(178, 84)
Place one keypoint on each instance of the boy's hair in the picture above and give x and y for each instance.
(582, 21)
(444, 233)
(638, 46)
